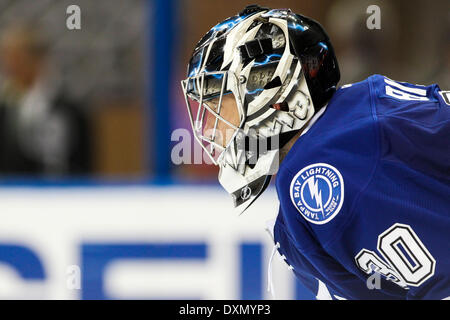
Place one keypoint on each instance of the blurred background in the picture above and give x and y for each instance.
(101, 102)
(90, 113)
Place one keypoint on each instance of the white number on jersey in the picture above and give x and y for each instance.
(446, 96)
(407, 262)
(401, 92)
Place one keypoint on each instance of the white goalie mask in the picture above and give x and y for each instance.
(247, 93)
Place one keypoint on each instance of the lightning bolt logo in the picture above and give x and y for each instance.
(313, 186)
(317, 192)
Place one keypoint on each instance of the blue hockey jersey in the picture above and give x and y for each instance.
(365, 195)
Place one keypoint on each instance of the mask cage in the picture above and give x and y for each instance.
(215, 124)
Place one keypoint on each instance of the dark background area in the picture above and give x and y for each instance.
(115, 83)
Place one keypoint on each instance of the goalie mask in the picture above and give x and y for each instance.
(254, 80)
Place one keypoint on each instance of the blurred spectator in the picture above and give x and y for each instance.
(41, 130)
(362, 52)
(441, 73)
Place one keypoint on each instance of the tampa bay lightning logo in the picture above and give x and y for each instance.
(317, 192)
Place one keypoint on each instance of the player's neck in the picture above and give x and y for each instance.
(285, 149)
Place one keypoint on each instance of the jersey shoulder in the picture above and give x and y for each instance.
(414, 125)
(404, 93)
(330, 164)
(350, 110)
(378, 117)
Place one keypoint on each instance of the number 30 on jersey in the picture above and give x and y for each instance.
(407, 262)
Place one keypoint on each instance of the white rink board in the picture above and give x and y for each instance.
(54, 223)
